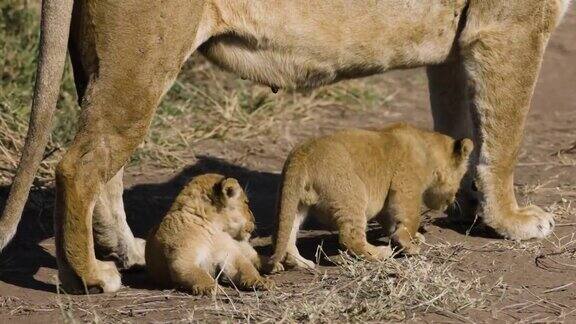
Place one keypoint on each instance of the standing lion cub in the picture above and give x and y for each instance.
(206, 230)
(353, 176)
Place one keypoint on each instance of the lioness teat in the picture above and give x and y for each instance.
(353, 176)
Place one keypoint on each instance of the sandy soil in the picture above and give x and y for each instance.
(531, 281)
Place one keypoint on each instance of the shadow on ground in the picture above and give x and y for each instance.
(145, 206)
(24, 256)
(466, 227)
(147, 203)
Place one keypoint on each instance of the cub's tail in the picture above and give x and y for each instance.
(55, 27)
(294, 178)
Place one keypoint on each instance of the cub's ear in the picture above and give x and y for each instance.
(231, 189)
(463, 148)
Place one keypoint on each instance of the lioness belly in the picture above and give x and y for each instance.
(304, 44)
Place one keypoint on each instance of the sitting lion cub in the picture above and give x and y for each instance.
(206, 230)
(352, 176)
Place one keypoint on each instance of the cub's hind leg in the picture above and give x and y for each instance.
(293, 259)
(352, 236)
(346, 202)
(259, 261)
(193, 278)
(240, 268)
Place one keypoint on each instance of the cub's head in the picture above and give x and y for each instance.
(452, 163)
(234, 213)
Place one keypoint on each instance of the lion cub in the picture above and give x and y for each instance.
(206, 230)
(353, 176)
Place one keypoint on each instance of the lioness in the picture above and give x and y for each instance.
(206, 230)
(483, 58)
(352, 176)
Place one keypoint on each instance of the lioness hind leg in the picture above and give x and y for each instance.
(128, 77)
(112, 235)
(502, 66)
(452, 116)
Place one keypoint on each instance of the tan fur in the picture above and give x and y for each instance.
(206, 230)
(485, 57)
(53, 38)
(350, 177)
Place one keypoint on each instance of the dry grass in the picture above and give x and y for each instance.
(353, 291)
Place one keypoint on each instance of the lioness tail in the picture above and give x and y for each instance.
(55, 28)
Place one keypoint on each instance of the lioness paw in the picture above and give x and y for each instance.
(105, 278)
(110, 277)
(298, 262)
(525, 223)
(136, 259)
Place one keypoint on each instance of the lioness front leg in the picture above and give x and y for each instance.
(127, 79)
(112, 235)
(502, 66)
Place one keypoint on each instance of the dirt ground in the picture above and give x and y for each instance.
(511, 281)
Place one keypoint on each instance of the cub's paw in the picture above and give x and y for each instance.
(384, 252)
(274, 267)
(524, 224)
(410, 249)
(420, 238)
(257, 283)
(262, 284)
(376, 253)
(203, 289)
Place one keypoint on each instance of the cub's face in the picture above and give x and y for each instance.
(453, 167)
(238, 220)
